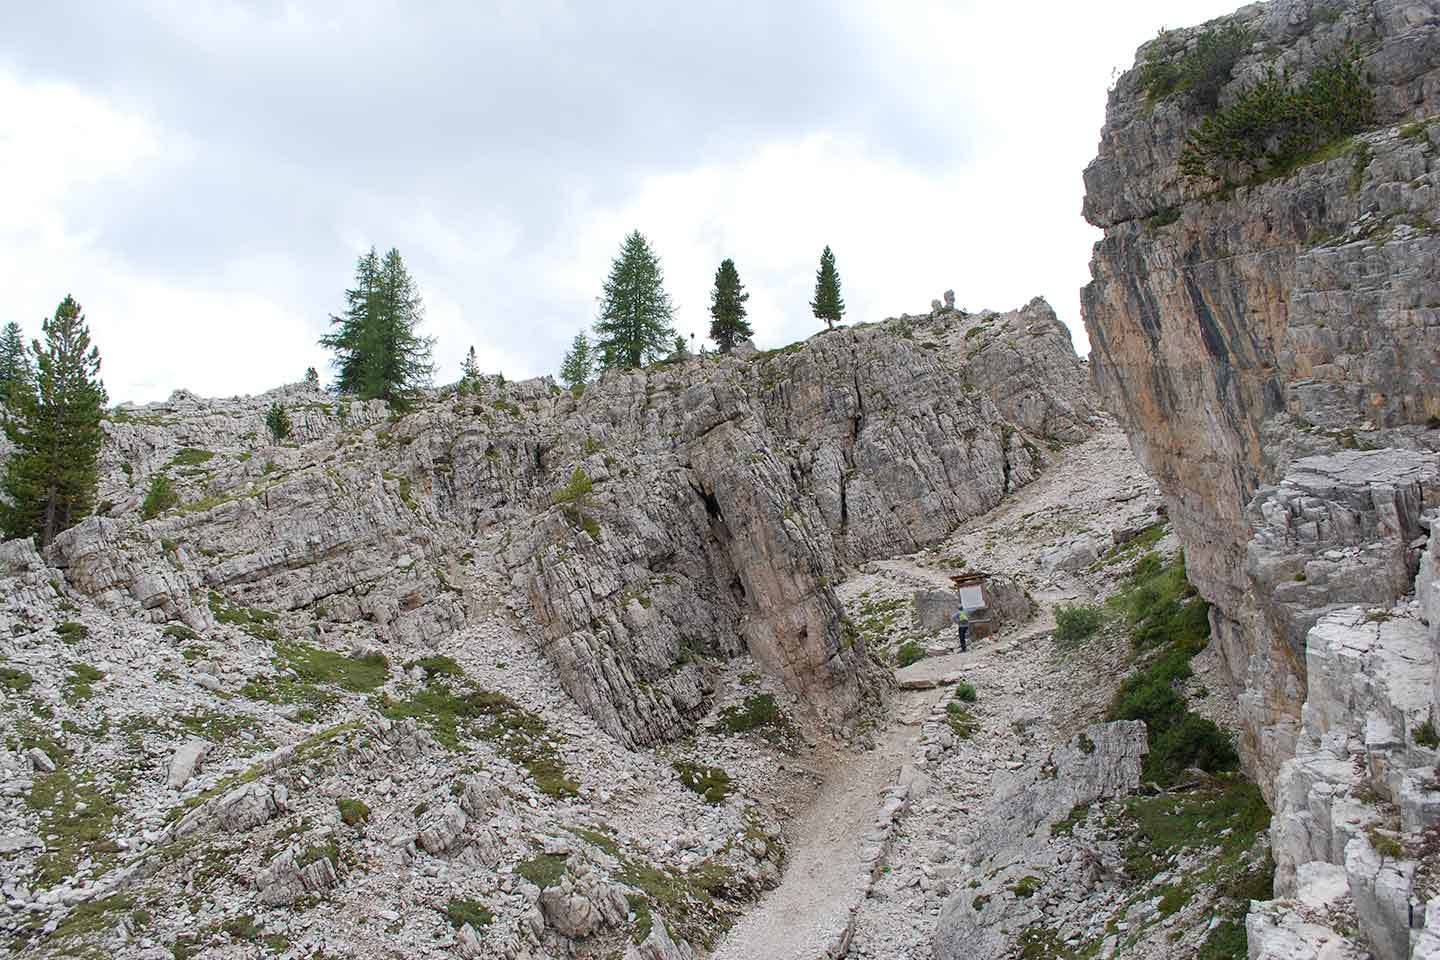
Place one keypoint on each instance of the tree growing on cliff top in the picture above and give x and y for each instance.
(727, 308)
(635, 312)
(827, 305)
(469, 374)
(378, 353)
(15, 370)
(54, 423)
(579, 362)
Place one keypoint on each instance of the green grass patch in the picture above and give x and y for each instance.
(76, 816)
(472, 912)
(758, 712)
(965, 693)
(436, 666)
(71, 632)
(712, 783)
(1426, 736)
(254, 621)
(353, 812)
(1026, 887)
(1074, 818)
(79, 685)
(454, 708)
(191, 457)
(15, 681)
(161, 496)
(1227, 816)
(543, 870)
(1169, 624)
(178, 631)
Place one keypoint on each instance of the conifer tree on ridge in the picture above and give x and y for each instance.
(635, 312)
(54, 423)
(727, 308)
(828, 304)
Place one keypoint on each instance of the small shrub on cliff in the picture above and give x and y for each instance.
(161, 497)
(1426, 736)
(1200, 72)
(277, 421)
(1276, 126)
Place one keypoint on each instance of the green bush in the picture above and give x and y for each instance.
(965, 693)
(353, 812)
(1191, 741)
(162, 497)
(909, 652)
(1275, 126)
(1201, 72)
(1426, 736)
(1077, 623)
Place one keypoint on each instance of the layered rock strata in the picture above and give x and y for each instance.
(1237, 332)
(661, 517)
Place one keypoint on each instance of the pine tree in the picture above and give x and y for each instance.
(54, 423)
(635, 312)
(378, 354)
(277, 421)
(579, 364)
(15, 370)
(727, 308)
(827, 305)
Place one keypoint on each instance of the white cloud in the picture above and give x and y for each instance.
(210, 231)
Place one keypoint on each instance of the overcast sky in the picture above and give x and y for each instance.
(202, 175)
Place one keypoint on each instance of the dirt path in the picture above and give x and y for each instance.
(827, 874)
(1089, 489)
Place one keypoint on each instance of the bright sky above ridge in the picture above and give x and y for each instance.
(202, 175)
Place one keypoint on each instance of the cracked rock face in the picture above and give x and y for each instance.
(1235, 335)
(726, 495)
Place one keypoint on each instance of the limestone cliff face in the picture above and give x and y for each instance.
(726, 494)
(1235, 334)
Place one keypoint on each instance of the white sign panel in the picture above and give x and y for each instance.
(972, 598)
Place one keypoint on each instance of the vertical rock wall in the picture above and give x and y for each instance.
(1234, 333)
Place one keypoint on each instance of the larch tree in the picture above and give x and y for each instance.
(579, 363)
(54, 423)
(378, 353)
(635, 312)
(727, 308)
(828, 304)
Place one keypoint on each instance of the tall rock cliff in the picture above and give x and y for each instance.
(1238, 331)
(1270, 345)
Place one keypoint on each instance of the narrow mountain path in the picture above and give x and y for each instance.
(827, 873)
(1089, 489)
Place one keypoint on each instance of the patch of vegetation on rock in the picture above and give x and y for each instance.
(712, 783)
(461, 912)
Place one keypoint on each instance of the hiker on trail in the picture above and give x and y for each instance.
(961, 619)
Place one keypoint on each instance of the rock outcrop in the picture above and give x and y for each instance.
(717, 500)
(1237, 332)
(1270, 348)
